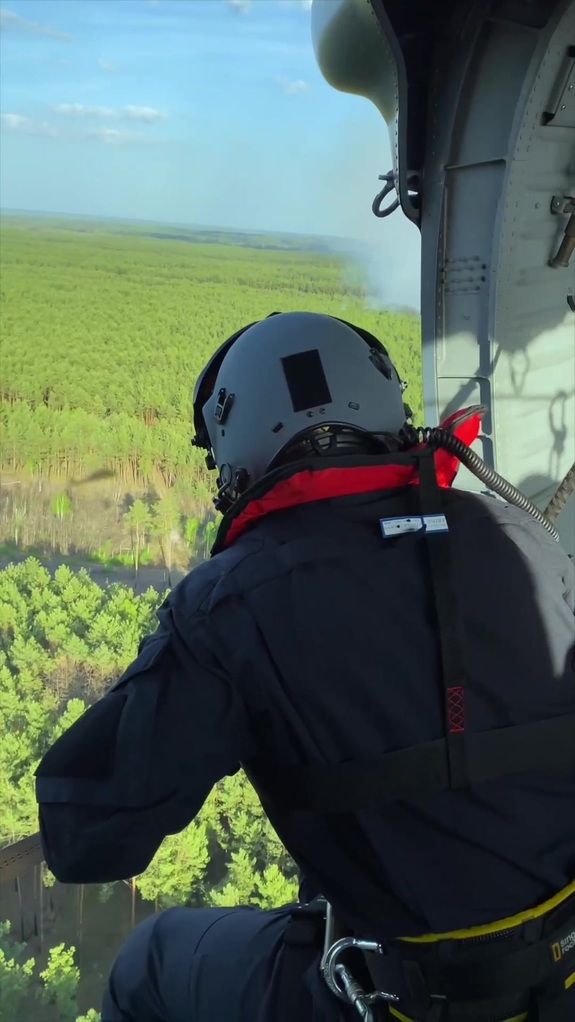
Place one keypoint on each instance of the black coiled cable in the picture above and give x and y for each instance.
(437, 437)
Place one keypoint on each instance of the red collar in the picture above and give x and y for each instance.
(306, 486)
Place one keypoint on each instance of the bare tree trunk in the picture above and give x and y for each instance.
(80, 920)
(137, 554)
(133, 920)
(41, 909)
(21, 907)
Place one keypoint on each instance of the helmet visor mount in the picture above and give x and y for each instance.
(205, 388)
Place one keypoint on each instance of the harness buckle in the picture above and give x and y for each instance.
(340, 979)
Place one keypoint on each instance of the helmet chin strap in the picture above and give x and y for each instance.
(322, 441)
(231, 484)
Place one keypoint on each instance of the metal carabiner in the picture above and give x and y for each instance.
(356, 995)
(338, 977)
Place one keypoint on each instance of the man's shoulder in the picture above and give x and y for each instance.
(212, 580)
(536, 545)
(469, 504)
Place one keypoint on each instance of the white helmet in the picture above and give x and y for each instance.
(283, 377)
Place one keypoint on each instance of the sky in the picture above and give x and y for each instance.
(207, 112)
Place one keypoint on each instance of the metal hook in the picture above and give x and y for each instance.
(356, 994)
(338, 977)
(389, 186)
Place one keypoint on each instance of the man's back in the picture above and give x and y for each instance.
(313, 649)
(339, 660)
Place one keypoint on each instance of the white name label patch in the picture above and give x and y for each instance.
(391, 527)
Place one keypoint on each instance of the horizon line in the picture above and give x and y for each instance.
(19, 211)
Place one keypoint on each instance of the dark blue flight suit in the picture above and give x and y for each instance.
(211, 965)
(309, 638)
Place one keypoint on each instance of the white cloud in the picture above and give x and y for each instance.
(246, 6)
(292, 87)
(15, 122)
(303, 5)
(79, 110)
(147, 114)
(241, 6)
(114, 136)
(107, 65)
(144, 114)
(10, 21)
(21, 125)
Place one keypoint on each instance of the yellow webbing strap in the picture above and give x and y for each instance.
(500, 924)
(496, 927)
(403, 1018)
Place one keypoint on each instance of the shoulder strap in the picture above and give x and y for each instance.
(438, 545)
(452, 762)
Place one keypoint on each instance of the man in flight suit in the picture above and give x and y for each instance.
(391, 661)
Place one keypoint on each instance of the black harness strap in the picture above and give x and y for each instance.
(505, 973)
(452, 762)
(438, 545)
(417, 772)
(493, 983)
(530, 964)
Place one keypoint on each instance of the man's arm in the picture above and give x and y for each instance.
(140, 762)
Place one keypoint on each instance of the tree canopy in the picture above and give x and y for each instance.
(23, 985)
(105, 330)
(105, 334)
(63, 640)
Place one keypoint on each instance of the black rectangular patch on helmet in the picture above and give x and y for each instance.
(306, 380)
